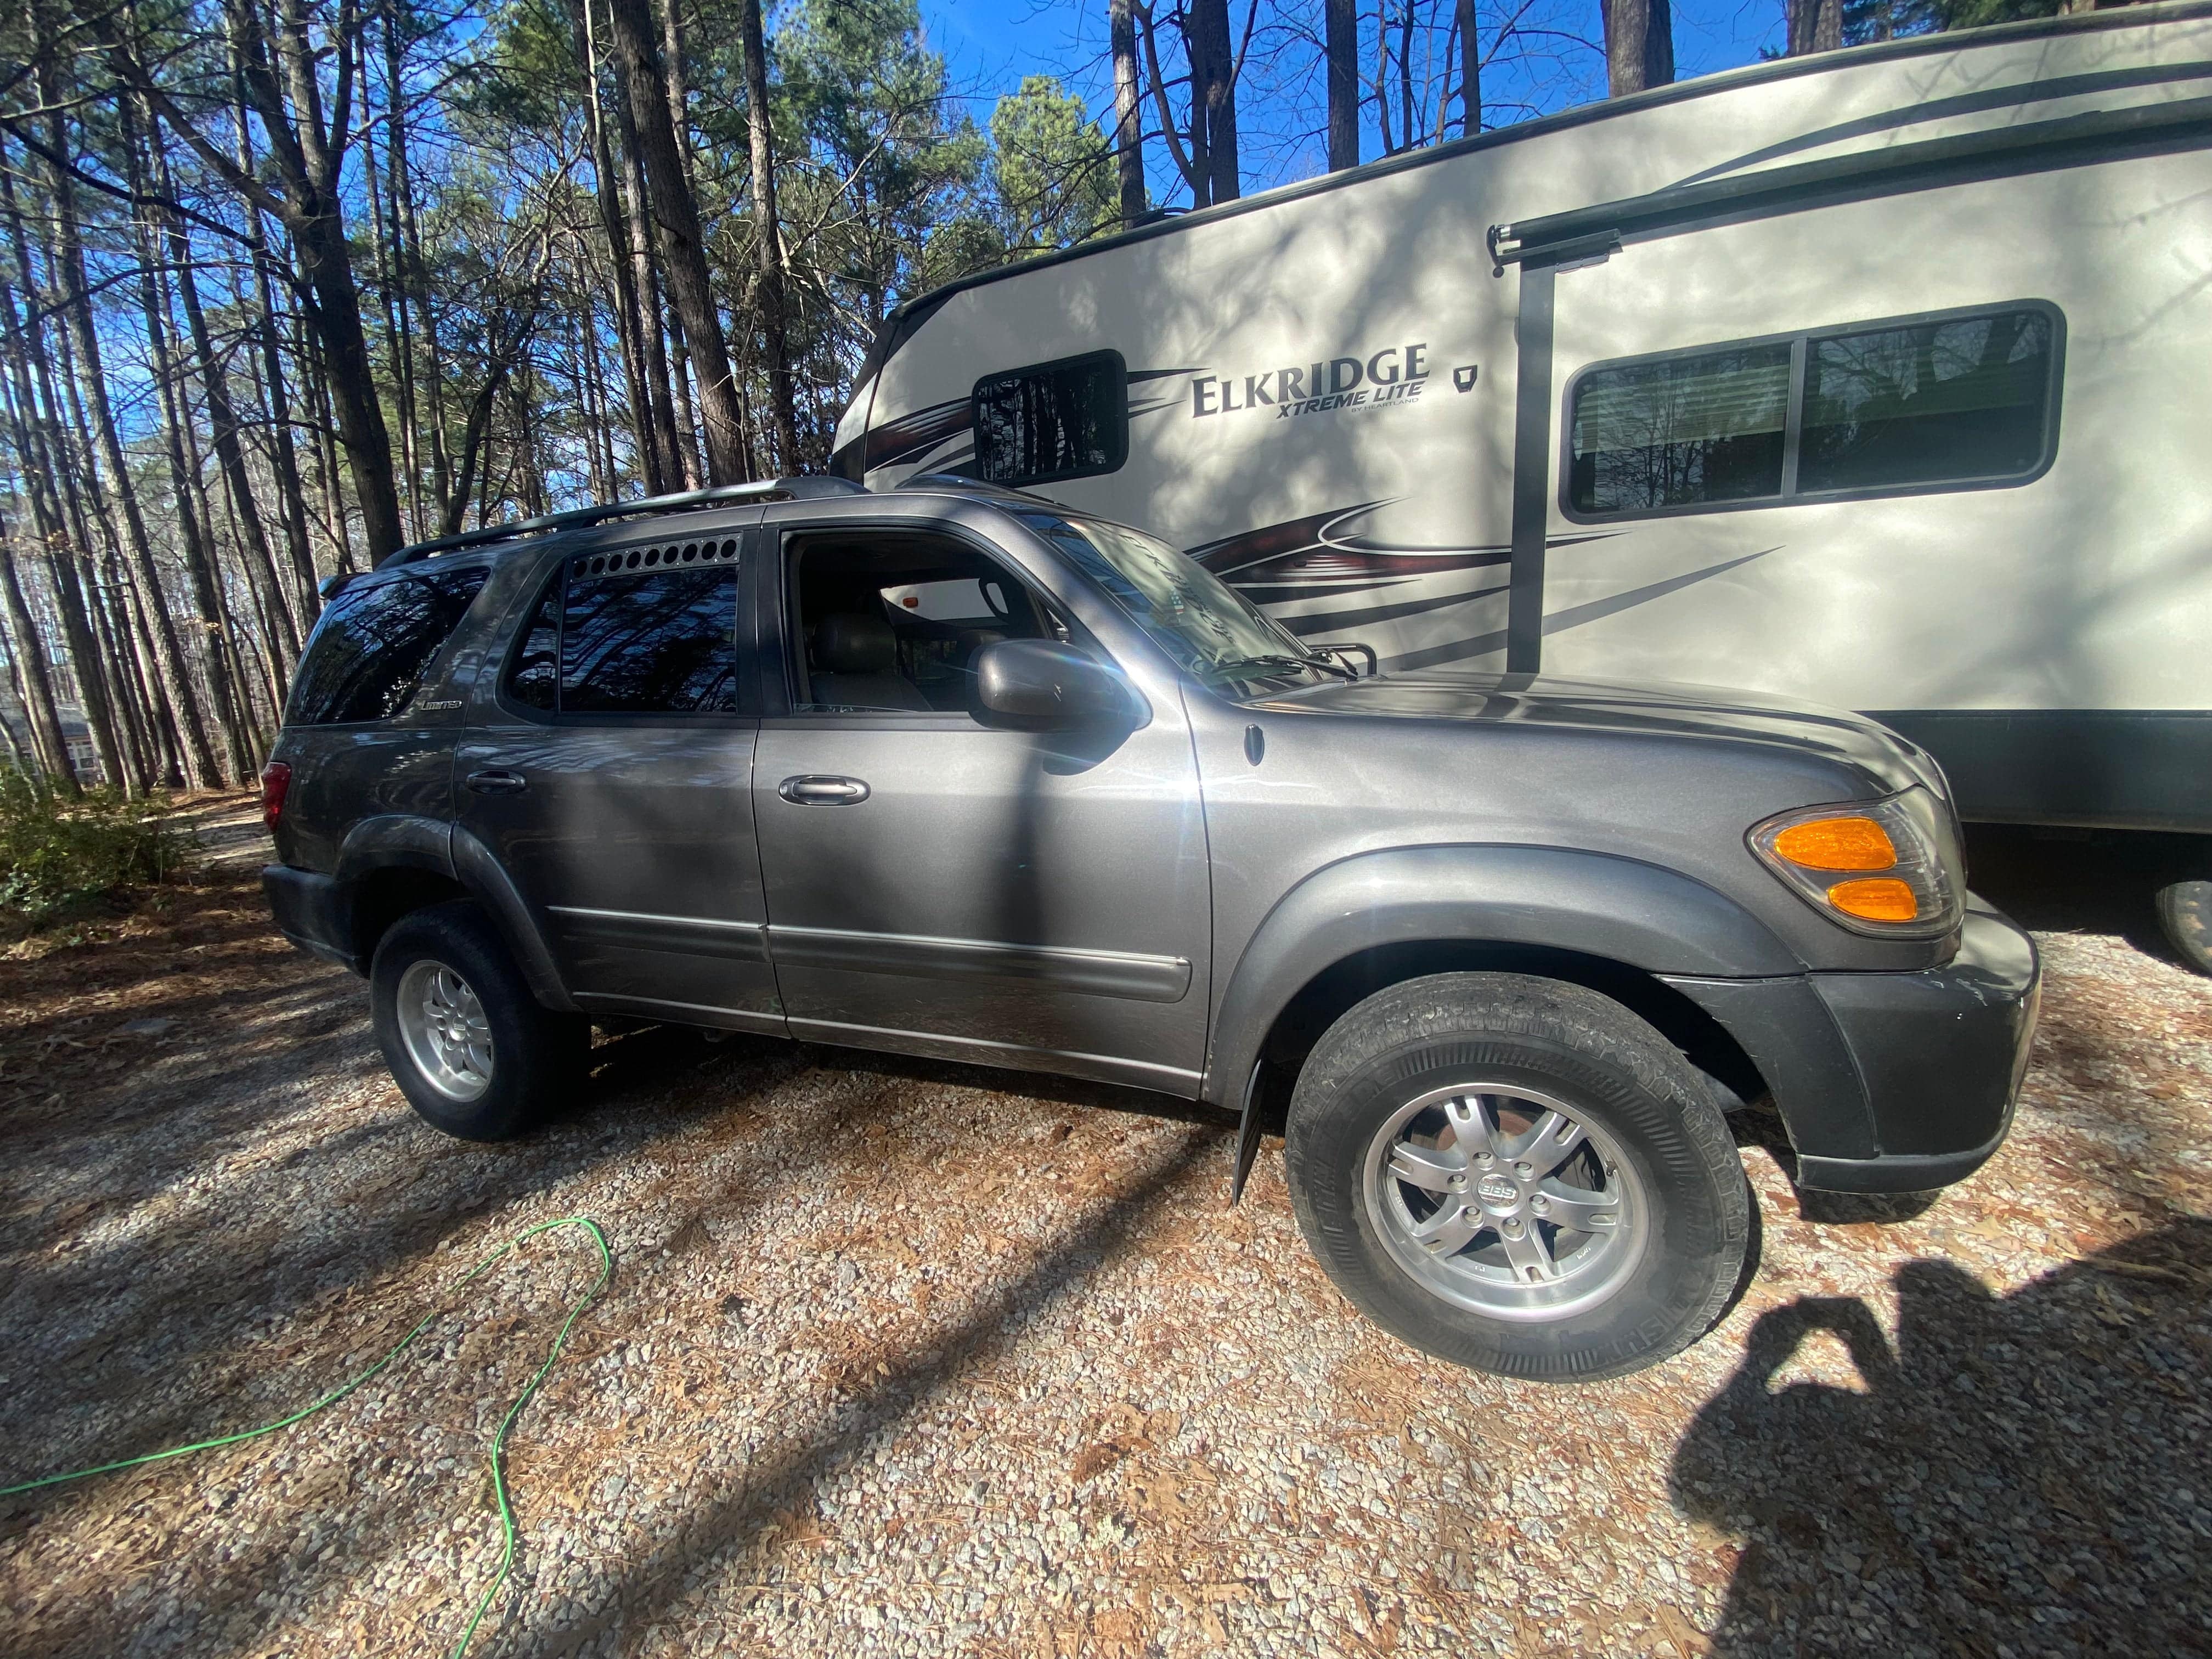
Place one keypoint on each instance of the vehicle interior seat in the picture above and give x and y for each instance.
(856, 665)
(969, 641)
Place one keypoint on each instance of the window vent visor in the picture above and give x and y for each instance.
(1887, 868)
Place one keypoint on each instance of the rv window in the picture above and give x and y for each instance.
(1941, 402)
(1057, 421)
(1936, 402)
(1682, 431)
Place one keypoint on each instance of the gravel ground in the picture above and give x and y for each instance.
(906, 1359)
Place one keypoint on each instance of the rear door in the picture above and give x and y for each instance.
(608, 765)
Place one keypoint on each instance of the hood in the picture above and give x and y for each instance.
(1695, 713)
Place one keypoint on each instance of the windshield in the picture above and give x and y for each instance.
(1197, 619)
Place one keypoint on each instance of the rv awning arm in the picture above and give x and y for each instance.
(1559, 239)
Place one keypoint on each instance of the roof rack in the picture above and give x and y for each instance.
(977, 487)
(793, 488)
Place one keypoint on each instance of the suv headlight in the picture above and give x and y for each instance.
(1886, 867)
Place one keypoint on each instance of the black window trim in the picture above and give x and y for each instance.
(554, 570)
(1799, 341)
(432, 666)
(1120, 449)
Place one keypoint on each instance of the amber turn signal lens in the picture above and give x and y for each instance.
(1876, 898)
(1852, 843)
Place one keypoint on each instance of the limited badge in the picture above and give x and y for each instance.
(1463, 377)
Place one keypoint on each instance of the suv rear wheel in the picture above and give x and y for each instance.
(1519, 1175)
(472, 1050)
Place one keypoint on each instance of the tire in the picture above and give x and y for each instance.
(472, 1050)
(2185, 916)
(1435, 1075)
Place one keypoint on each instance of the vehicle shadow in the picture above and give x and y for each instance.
(2022, 1475)
(2077, 881)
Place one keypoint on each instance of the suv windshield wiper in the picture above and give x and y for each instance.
(1276, 660)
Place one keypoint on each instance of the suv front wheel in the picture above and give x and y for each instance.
(472, 1050)
(1519, 1175)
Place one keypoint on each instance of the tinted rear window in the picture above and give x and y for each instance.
(615, 634)
(374, 645)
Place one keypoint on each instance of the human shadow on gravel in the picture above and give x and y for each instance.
(2026, 1475)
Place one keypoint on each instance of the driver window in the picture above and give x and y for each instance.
(891, 624)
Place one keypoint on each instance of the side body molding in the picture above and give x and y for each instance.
(1625, 911)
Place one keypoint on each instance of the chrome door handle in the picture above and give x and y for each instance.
(815, 791)
(498, 783)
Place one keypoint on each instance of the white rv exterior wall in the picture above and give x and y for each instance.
(2089, 588)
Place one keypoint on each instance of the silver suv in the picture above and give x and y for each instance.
(959, 772)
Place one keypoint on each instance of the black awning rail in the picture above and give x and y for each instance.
(1584, 234)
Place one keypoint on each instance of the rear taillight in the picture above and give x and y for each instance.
(276, 783)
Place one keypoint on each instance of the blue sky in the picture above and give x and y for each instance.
(990, 45)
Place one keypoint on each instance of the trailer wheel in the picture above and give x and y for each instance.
(2184, 915)
(1519, 1175)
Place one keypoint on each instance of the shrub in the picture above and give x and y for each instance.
(59, 855)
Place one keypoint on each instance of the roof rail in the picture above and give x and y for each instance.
(970, 486)
(794, 488)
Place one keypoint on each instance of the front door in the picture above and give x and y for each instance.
(1020, 898)
(609, 769)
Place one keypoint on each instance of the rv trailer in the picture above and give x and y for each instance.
(1880, 378)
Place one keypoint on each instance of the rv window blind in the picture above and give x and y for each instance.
(1061, 420)
(1957, 400)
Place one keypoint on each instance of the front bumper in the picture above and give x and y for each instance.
(314, 912)
(1893, 1082)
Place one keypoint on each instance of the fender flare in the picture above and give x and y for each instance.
(405, 840)
(487, 879)
(395, 839)
(1598, 904)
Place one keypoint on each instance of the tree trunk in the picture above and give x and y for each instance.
(29, 653)
(300, 185)
(1406, 72)
(201, 768)
(687, 419)
(768, 236)
(1341, 50)
(400, 193)
(1129, 111)
(1470, 71)
(191, 529)
(326, 459)
(222, 417)
(285, 463)
(635, 371)
(616, 231)
(321, 240)
(1639, 44)
(1815, 25)
(645, 263)
(1213, 97)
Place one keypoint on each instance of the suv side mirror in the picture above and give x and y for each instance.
(1042, 685)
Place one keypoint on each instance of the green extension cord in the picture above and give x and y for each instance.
(498, 1440)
